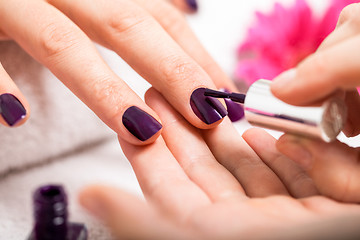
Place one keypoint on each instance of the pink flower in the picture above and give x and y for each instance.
(281, 39)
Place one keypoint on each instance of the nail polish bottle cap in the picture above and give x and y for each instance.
(50, 212)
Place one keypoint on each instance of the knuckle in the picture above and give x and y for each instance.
(350, 13)
(57, 38)
(177, 70)
(299, 178)
(173, 20)
(121, 24)
(107, 92)
(197, 161)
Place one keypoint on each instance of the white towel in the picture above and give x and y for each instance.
(59, 122)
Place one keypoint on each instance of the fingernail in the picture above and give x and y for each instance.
(292, 147)
(285, 79)
(235, 110)
(208, 109)
(192, 4)
(11, 109)
(140, 124)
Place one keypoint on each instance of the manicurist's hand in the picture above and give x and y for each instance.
(152, 36)
(209, 184)
(334, 167)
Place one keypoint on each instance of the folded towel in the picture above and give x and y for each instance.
(59, 122)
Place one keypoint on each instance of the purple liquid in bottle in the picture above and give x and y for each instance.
(51, 216)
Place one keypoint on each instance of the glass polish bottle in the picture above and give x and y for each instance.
(263, 109)
(51, 216)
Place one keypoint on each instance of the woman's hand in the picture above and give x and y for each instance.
(334, 167)
(152, 36)
(209, 184)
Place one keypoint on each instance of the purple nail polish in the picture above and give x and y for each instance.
(51, 216)
(208, 109)
(235, 110)
(140, 124)
(11, 109)
(192, 4)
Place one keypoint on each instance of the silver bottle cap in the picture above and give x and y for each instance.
(263, 109)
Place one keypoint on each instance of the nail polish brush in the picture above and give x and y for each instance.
(236, 97)
(263, 109)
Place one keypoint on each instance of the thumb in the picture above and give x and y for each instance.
(334, 167)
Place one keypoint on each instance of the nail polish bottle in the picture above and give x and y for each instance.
(324, 121)
(51, 216)
(263, 109)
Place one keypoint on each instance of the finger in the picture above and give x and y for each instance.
(257, 179)
(129, 30)
(188, 6)
(352, 127)
(329, 70)
(14, 108)
(162, 180)
(347, 27)
(127, 216)
(340, 34)
(194, 156)
(177, 27)
(350, 13)
(298, 183)
(60, 45)
(334, 167)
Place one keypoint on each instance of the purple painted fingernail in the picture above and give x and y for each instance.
(140, 124)
(235, 110)
(208, 109)
(192, 4)
(11, 109)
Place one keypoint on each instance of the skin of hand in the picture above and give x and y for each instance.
(334, 68)
(210, 184)
(151, 36)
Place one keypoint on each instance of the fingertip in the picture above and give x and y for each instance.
(187, 6)
(285, 139)
(252, 133)
(210, 111)
(282, 86)
(14, 112)
(192, 5)
(296, 148)
(152, 96)
(92, 199)
(144, 128)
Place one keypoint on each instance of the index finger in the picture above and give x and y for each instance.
(321, 74)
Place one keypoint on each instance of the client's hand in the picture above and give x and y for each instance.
(209, 184)
(334, 167)
(151, 36)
